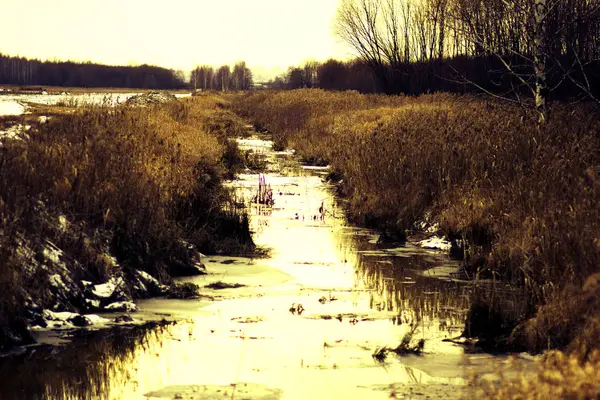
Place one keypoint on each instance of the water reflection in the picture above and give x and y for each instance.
(403, 286)
(94, 365)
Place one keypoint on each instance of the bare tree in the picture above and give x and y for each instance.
(389, 34)
(223, 78)
(357, 24)
(241, 76)
(540, 43)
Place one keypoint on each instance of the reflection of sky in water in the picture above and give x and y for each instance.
(357, 298)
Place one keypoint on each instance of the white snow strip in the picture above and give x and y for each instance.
(147, 278)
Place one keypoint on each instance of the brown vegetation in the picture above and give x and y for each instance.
(560, 376)
(138, 183)
(524, 198)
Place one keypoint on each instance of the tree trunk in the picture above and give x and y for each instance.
(541, 86)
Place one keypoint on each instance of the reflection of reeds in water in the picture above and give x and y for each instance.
(415, 298)
(88, 368)
(264, 195)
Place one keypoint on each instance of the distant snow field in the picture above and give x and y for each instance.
(11, 107)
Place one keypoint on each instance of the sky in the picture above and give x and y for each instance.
(178, 34)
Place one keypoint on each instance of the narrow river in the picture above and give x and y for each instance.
(304, 323)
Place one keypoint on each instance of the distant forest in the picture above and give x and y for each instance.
(23, 71)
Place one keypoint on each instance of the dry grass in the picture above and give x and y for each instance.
(559, 376)
(132, 182)
(526, 199)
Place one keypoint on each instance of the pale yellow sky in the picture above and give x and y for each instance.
(172, 33)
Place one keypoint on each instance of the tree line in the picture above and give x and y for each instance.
(223, 78)
(23, 71)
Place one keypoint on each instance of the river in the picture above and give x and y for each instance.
(304, 322)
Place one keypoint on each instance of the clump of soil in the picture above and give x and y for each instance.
(223, 285)
(150, 98)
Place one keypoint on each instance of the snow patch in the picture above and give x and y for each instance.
(93, 303)
(15, 132)
(94, 319)
(107, 289)
(433, 228)
(127, 306)
(63, 223)
(435, 243)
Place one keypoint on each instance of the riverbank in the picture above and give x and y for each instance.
(101, 204)
(520, 203)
